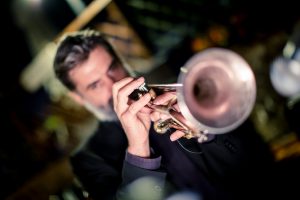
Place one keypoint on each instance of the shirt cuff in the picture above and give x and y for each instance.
(146, 163)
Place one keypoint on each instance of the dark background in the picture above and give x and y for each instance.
(251, 27)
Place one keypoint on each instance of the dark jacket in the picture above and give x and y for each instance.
(223, 168)
(99, 165)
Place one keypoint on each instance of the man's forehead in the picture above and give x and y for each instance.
(91, 70)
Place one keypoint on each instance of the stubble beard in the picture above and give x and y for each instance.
(102, 113)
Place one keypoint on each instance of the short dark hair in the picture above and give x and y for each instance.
(74, 49)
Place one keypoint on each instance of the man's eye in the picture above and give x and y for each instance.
(95, 85)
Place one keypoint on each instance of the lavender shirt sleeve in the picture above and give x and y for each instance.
(146, 163)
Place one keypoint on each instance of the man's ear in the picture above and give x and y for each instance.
(76, 97)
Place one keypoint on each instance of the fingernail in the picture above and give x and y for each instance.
(172, 138)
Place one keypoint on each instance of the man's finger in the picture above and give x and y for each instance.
(116, 87)
(176, 135)
(164, 98)
(135, 107)
(155, 116)
(126, 90)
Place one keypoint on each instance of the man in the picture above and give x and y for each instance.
(124, 152)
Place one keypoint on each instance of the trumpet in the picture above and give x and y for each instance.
(215, 93)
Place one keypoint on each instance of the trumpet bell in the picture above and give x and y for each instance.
(218, 90)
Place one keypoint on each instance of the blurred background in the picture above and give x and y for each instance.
(41, 127)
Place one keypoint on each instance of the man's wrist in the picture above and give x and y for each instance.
(141, 151)
(146, 163)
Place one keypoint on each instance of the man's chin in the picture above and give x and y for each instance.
(102, 114)
(110, 118)
(105, 116)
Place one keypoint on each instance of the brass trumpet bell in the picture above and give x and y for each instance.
(218, 90)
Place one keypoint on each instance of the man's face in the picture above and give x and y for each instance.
(95, 77)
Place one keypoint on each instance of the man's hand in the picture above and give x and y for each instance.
(133, 116)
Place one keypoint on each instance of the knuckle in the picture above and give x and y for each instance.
(121, 94)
